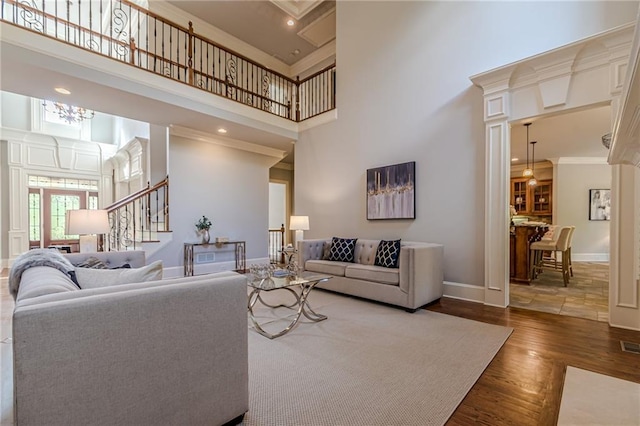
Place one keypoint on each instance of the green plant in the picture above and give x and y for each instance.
(203, 224)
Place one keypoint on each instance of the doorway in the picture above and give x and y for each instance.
(571, 159)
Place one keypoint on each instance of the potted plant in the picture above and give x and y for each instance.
(203, 226)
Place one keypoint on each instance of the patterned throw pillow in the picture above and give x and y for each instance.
(388, 254)
(93, 263)
(326, 250)
(342, 249)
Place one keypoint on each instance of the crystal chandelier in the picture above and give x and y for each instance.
(69, 113)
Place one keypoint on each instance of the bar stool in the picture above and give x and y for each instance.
(560, 245)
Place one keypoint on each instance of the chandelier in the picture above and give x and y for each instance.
(69, 113)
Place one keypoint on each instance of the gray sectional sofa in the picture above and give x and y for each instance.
(417, 281)
(167, 352)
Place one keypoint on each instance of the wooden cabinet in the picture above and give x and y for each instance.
(531, 200)
(541, 198)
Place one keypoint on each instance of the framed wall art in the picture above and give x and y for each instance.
(599, 204)
(391, 192)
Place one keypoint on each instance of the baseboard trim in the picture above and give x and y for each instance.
(468, 292)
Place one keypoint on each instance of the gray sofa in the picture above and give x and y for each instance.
(416, 282)
(168, 352)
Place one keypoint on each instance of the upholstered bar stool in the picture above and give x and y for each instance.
(559, 245)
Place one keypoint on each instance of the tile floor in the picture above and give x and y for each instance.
(586, 296)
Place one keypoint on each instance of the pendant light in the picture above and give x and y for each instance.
(527, 172)
(532, 181)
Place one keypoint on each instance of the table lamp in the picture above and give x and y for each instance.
(87, 224)
(299, 224)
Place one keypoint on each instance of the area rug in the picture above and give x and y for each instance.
(595, 399)
(367, 364)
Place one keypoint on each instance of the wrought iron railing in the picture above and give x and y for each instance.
(129, 33)
(276, 245)
(139, 217)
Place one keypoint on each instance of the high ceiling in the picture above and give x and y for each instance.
(260, 23)
(263, 25)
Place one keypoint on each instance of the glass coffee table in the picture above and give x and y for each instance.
(299, 286)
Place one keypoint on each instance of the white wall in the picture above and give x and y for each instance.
(591, 238)
(404, 95)
(229, 186)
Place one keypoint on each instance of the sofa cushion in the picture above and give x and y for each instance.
(388, 253)
(378, 274)
(342, 249)
(326, 267)
(94, 278)
(365, 252)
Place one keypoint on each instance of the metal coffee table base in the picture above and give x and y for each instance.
(300, 301)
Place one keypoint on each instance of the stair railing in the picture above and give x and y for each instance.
(139, 217)
(276, 245)
(133, 35)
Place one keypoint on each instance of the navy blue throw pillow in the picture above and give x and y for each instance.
(388, 254)
(342, 249)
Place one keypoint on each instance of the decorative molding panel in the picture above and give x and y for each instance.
(554, 92)
(15, 154)
(618, 71)
(497, 165)
(17, 199)
(496, 106)
(18, 240)
(40, 156)
(87, 162)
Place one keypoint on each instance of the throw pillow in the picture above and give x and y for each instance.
(388, 254)
(342, 249)
(96, 278)
(92, 262)
(326, 250)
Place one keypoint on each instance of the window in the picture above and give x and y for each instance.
(49, 200)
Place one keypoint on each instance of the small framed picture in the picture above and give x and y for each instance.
(599, 204)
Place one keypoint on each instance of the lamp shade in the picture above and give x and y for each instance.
(83, 222)
(299, 223)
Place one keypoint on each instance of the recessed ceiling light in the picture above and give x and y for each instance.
(291, 22)
(62, 90)
(514, 159)
(222, 130)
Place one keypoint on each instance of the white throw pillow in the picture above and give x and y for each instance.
(96, 278)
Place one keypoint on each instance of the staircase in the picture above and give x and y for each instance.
(140, 221)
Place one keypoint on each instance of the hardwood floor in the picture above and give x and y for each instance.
(523, 383)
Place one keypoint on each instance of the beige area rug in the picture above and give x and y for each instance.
(595, 399)
(368, 364)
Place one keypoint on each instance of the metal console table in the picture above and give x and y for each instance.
(239, 252)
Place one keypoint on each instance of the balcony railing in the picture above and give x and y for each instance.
(131, 34)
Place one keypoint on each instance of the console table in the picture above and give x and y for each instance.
(239, 252)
